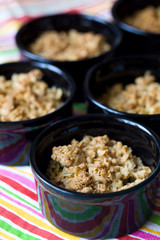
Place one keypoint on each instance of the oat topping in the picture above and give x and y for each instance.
(26, 96)
(96, 165)
(70, 46)
(147, 19)
(140, 97)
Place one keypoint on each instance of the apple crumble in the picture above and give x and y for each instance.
(147, 19)
(96, 165)
(140, 97)
(69, 46)
(27, 96)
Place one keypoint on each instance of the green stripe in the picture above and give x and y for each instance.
(88, 212)
(144, 206)
(10, 51)
(155, 219)
(115, 225)
(79, 106)
(15, 195)
(8, 228)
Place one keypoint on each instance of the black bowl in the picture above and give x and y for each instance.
(124, 70)
(135, 41)
(64, 22)
(104, 215)
(16, 137)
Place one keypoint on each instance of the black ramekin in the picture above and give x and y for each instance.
(16, 137)
(135, 41)
(64, 22)
(120, 70)
(96, 216)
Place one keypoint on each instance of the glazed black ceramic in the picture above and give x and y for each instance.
(123, 70)
(59, 22)
(95, 216)
(16, 137)
(135, 41)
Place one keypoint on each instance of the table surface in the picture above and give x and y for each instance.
(20, 216)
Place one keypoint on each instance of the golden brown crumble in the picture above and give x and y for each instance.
(96, 165)
(70, 46)
(140, 97)
(26, 96)
(147, 19)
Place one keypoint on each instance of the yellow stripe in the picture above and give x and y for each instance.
(35, 220)
(150, 230)
(21, 171)
(14, 24)
(78, 208)
(157, 202)
(98, 8)
(5, 236)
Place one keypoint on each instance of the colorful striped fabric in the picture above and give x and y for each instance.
(20, 216)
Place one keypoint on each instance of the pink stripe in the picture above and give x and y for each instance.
(19, 178)
(5, 37)
(8, 20)
(21, 20)
(22, 205)
(145, 235)
(90, 5)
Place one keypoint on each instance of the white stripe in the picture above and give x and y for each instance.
(154, 227)
(15, 9)
(20, 229)
(135, 236)
(37, 209)
(8, 233)
(52, 7)
(43, 220)
(9, 58)
(25, 174)
(21, 195)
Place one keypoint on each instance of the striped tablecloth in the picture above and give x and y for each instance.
(20, 216)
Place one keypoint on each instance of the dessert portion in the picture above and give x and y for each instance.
(26, 96)
(147, 19)
(96, 165)
(140, 97)
(69, 46)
